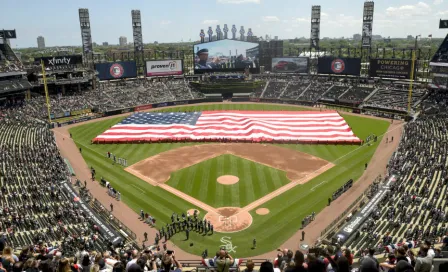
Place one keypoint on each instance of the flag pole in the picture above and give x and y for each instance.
(46, 90)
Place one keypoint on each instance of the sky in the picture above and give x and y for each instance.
(177, 20)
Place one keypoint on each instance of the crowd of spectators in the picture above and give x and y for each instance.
(435, 103)
(389, 97)
(357, 93)
(37, 212)
(275, 88)
(335, 91)
(415, 208)
(110, 96)
(295, 88)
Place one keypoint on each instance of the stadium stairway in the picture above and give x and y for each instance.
(264, 90)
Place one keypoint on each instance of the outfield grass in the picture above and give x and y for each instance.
(256, 181)
(287, 210)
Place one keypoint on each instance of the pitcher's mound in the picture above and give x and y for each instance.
(262, 211)
(228, 179)
(229, 219)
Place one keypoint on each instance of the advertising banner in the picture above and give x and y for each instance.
(357, 219)
(164, 68)
(339, 66)
(116, 70)
(78, 112)
(60, 60)
(390, 68)
(290, 65)
(143, 107)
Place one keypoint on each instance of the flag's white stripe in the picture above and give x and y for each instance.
(211, 119)
(270, 118)
(273, 123)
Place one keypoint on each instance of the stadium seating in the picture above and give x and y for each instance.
(416, 207)
(274, 89)
(295, 88)
(393, 98)
(35, 208)
(356, 94)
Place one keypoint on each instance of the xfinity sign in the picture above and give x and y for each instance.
(60, 60)
(164, 68)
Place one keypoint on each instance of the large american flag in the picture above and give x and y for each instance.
(301, 126)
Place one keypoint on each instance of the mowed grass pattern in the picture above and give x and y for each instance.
(287, 210)
(256, 181)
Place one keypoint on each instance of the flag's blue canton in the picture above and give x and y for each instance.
(162, 118)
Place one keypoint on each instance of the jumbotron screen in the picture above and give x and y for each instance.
(225, 55)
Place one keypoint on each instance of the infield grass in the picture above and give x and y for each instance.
(286, 210)
(256, 181)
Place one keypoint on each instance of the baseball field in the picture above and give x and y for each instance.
(248, 191)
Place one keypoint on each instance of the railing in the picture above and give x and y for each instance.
(94, 202)
(117, 222)
(335, 223)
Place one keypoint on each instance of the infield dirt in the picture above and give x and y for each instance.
(297, 165)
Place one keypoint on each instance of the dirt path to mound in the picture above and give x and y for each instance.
(125, 214)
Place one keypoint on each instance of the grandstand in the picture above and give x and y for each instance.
(36, 207)
(415, 209)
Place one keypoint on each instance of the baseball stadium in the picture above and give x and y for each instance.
(229, 153)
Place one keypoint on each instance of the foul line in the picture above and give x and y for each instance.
(323, 182)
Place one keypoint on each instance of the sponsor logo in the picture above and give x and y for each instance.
(349, 228)
(116, 70)
(162, 105)
(393, 62)
(145, 107)
(338, 66)
(180, 102)
(172, 65)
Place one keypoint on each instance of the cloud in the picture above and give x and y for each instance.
(406, 11)
(300, 20)
(438, 2)
(210, 22)
(443, 13)
(323, 14)
(288, 30)
(270, 19)
(343, 21)
(165, 22)
(238, 1)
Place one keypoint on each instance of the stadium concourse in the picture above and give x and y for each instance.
(313, 231)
